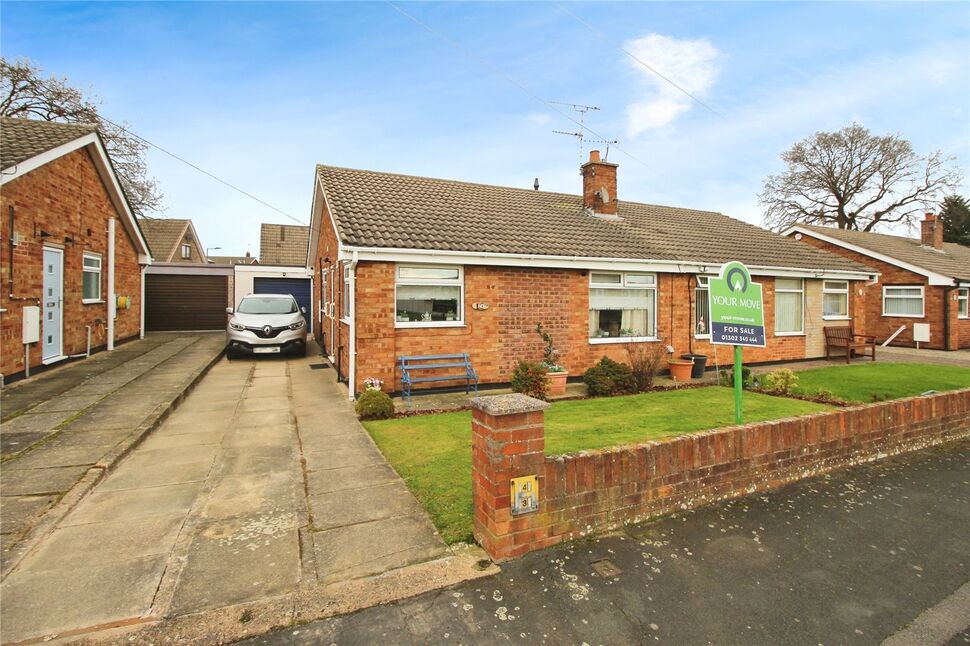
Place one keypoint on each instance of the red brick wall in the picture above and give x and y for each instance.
(602, 490)
(65, 198)
(882, 327)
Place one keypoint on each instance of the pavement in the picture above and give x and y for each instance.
(872, 553)
(262, 486)
(63, 429)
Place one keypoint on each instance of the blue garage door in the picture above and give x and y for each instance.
(298, 287)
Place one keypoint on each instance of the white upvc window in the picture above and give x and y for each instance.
(91, 278)
(429, 296)
(963, 302)
(702, 309)
(622, 307)
(186, 251)
(903, 301)
(835, 299)
(789, 306)
(345, 302)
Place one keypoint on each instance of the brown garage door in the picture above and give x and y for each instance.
(180, 302)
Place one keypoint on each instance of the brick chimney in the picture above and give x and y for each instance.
(931, 232)
(599, 185)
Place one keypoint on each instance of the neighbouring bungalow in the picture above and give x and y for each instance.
(248, 259)
(420, 266)
(173, 240)
(73, 254)
(924, 283)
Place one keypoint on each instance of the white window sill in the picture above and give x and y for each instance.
(345, 321)
(91, 301)
(622, 339)
(702, 336)
(401, 325)
(802, 333)
(903, 316)
(836, 318)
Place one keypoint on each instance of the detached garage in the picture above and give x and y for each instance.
(263, 279)
(186, 298)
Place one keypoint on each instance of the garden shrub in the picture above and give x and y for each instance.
(779, 382)
(529, 378)
(374, 404)
(645, 360)
(826, 396)
(609, 377)
(726, 378)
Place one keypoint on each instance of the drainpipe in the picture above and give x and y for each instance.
(112, 305)
(352, 369)
(946, 317)
(141, 303)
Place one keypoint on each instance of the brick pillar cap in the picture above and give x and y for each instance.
(508, 404)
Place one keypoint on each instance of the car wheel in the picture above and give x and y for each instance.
(230, 355)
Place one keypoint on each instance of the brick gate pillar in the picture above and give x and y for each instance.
(508, 441)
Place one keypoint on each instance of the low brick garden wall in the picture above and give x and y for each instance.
(600, 490)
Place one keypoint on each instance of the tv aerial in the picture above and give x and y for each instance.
(581, 135)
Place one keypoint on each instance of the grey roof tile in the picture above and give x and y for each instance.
(22, 139)
(283, 244)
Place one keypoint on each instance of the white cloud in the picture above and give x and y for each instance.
(691, 64)
(539, 118)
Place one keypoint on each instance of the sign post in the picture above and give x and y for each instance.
(737, 318)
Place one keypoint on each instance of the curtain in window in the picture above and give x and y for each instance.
(702, 312)
(835, 304)
(904, 301)
(788, 312)
(621, 312)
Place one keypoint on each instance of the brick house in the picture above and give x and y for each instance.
(173, 240)
(922, 282)
(72, 256)
(414, 266)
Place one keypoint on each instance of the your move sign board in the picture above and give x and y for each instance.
(736, 306)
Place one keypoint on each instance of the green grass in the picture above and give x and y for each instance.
(861, 382)
(433, 452)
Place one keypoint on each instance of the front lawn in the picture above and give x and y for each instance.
(433, 452)
(867, 382)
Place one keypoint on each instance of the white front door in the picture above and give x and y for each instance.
(52, 307)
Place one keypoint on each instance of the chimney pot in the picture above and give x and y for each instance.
(931, 232)
(594, 155)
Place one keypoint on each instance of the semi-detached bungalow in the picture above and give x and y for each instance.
(418, 266)
(923, 291)
(73, 255)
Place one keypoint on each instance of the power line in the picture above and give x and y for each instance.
(508, 79)
(635, 58)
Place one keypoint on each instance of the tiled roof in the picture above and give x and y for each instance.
(162, 235)
(21, 139)
(283, 244)
(374, 209)
(233, 260)
(953, 260)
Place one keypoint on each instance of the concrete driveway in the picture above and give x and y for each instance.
(261, 484)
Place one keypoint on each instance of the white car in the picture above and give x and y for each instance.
(266, 324)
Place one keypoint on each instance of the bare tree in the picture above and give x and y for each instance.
(852, 179)
(24, 93)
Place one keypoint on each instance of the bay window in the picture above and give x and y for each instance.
(789, 306)
(429, 296)
(702, 309)
(902, 301)
(91, 278)
(622, 306)
(963, 302)
(835, 299)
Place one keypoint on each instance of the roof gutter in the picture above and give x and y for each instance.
(387, 254)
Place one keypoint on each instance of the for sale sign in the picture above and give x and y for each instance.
(737, 313)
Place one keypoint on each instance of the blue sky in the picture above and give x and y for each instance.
(258, 93)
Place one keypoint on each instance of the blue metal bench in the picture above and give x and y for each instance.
(411, 365)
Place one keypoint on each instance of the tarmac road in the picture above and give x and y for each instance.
(857, 557)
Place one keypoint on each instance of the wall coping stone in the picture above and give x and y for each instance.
(511, 404)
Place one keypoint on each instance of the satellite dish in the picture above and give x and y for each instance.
(604, 195)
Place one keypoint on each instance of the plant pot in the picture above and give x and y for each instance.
(680, 370)
(557, 383)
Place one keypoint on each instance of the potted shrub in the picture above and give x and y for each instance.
(550, 361)
(680, 369)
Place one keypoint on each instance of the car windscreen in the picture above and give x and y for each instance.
(257, 305)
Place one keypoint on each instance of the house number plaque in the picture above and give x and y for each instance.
(525, 495)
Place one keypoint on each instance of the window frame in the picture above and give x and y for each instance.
(624, 284)
(186, 251)
(963, 296)
(345, 295)
(92, 255)
(706, 286)
(847, 291)
(922, 300)
(458, 282)
(800, 290)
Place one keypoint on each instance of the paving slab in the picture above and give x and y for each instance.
(30, 482)
(201, 438)
(353, 506)
(15, 442)
(34, 423)
(276, 492)
(17, 512)
(62, 454)
(139, 475)
(260, 404)
(321, 459)
(105, 506)
(347, 478)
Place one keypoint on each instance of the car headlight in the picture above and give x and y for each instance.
(236, 326)
(297, 325)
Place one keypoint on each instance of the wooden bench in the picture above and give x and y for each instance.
(459, 363)
(843, 337)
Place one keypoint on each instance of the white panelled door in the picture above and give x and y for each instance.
(53, 304)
